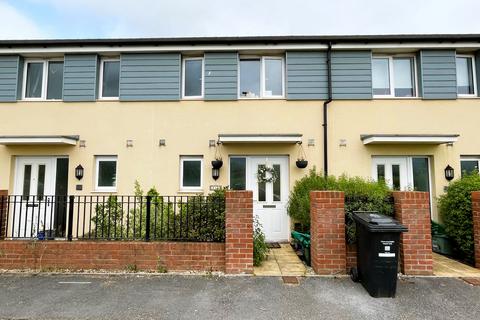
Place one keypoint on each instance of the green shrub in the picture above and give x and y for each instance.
(108, 219)
(455, 208)
(260, 248)
(361, 194)
(137, 217)
(202, 218)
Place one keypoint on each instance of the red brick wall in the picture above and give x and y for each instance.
(412, 209)
(82, 255)
(3, 213)
(476, 225)
(239, 232)
(351, 256)
(327, 214)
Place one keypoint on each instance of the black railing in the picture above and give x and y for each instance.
(177, 218)
(363, 203)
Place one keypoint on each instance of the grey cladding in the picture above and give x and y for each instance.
(80, 77)
(306, 74)
(352, 74)
(150, 76)
(11, 72)
(438, 74)
(221, 76)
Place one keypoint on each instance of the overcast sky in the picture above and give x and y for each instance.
(25, 19)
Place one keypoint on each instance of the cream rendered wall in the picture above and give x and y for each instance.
(350, 119)
(187, 127)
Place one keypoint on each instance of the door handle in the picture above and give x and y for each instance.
(271, 206)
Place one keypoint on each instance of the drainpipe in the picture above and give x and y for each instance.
(325, 110)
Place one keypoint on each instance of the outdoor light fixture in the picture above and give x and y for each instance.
(215, 173)
(79, 172)
(449, 173)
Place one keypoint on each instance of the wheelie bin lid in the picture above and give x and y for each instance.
(376, 222)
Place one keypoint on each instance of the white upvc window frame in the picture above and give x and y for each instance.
(474, 75)
(262, 77)
(183, 78)
(45, 63)
(469, 158)
(392, 76)
(100, 79)
(195, 188)
(98, 159)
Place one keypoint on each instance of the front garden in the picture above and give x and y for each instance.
(360, 195)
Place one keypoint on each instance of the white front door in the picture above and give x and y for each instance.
(270, 198)
(33, 205)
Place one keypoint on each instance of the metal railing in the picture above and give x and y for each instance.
(176, 218)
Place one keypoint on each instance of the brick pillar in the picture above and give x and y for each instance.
(327, 232)
(3, 213)
(412, 209)
(476, 226)
(239, 232)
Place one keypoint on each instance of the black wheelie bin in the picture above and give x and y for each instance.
(378, 238)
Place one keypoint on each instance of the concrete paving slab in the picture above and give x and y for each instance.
(446, 267)
(281, 261)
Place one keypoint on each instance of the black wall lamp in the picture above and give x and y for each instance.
(449, 173)
(79, 172)
(216, 165)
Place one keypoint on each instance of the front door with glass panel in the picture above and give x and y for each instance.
(270, 197)
(33, 210)
(402, 173)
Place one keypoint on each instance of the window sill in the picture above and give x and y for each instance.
(193, 98)
(108, 99)
(396, 98)
(262, 98)
(103, 191)
(467, 97)
(195, 191)
(40, 100)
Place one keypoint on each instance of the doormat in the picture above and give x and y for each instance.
(273, 245)
(290, 280)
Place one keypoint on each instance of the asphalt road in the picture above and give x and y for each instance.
(201, 297)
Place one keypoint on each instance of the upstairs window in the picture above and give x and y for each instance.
(43, 79)
(465, 75)
(193, 77)
(393, 76)
(261, 77)
(109, 79)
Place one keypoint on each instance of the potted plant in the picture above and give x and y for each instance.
(217, 163)
(301, 163)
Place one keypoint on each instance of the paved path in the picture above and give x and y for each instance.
(445, 267)
(197, 297)
(281, 261)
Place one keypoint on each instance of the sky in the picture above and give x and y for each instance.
(55, 19)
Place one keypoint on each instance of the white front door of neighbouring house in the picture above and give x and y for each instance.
(270, 198)
(403, 173)
(392, 170)
(34, 180)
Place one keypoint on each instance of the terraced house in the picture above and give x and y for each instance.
(90, 117)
